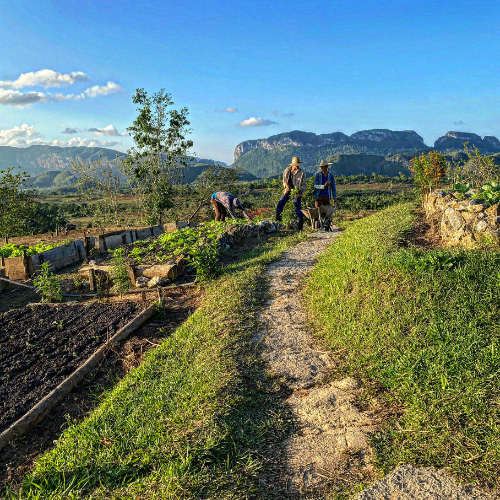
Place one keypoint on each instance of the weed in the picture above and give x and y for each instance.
(48, 284)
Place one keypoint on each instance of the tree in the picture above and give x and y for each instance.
(100, 180)
(161, 151)
(17, 204)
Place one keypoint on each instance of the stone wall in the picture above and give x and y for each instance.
(463, 222)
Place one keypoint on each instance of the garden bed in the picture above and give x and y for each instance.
(17, 457)
(42, 345)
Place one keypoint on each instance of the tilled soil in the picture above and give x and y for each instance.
(17, 457)
(42, 345)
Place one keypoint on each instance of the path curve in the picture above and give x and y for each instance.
(331, 440)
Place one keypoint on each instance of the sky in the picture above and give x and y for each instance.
(247, 70)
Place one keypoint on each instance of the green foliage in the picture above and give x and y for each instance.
(429, 170)
(489, 192)
(17, 204)
(48, 284)
(435, 260)
(155, 164)
(119, 271)
(11, 250)
(205, 258)
(476, 169)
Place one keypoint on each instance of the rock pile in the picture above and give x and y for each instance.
(463, 222)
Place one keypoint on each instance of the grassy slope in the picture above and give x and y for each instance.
(187, 422)
(424, 327)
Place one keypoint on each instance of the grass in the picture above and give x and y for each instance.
(191, 421)
(422, 328)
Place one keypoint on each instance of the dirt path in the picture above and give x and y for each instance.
(329, 429)
(330, 447)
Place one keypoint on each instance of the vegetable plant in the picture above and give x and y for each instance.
(48, 284)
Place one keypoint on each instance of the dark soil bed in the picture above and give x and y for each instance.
(18, 456)
(42, 345)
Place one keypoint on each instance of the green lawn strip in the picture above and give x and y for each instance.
(422, 325)
(187, 423)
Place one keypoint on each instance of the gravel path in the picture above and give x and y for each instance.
(331, 443)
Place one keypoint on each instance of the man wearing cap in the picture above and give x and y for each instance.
(324, 186)
(293, 178)
(226, 202)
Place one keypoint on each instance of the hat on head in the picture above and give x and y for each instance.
(324, 163)
(296, 161)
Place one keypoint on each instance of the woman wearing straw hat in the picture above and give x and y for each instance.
(324, 186)
(294, 178)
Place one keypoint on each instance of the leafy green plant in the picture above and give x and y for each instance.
(477, 169)
(205, 258)
(119, 271)
(48, 284)
(489, 192)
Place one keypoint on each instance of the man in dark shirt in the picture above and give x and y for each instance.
(223, 202)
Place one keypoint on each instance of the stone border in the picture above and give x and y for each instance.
(463, 222)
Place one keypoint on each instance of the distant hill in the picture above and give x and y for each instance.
(379, 151)
(454, 141)
(47, 165)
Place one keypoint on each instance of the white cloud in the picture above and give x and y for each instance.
(110, 131)
(21, 99)
(45, 78)
(62, 97)
(256, 122)
(101, 90)
(81, 141)
(22, 136)
(227, 110)
(70, 130)
(26, 135)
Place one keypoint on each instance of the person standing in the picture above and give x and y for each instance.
(223, 202)
(294, 178)
(324, 186)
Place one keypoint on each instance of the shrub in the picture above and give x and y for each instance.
(429, 170)
(48, 284)
(119, 271)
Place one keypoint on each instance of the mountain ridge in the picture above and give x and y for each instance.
(394, 149)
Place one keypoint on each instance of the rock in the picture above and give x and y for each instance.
(454, 219)
(481, 226)
(347, 384)
(477, 207)
(158, 281)
(168, 270)
(141, 282)
(493, 210)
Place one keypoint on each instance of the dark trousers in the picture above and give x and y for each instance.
(321, 201)
(219, 209)
(283, 201)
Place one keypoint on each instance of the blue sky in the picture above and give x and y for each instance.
(247, 70)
